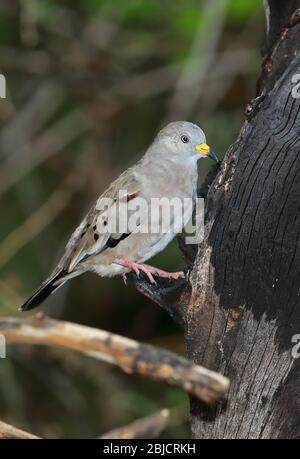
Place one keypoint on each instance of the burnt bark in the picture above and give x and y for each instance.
(241, 306)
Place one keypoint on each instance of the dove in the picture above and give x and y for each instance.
(105, 243)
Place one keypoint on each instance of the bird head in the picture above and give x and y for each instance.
(187, 140)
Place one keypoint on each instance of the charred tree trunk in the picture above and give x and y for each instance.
(244, 306)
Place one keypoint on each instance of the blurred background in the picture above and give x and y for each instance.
(89, 82)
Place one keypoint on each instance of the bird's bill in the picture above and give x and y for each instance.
(212, 155)
(205, 150)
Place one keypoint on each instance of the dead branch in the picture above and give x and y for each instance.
(131, 356)
(8, 432)
(148, 427)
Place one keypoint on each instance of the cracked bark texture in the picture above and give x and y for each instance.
(245, 285)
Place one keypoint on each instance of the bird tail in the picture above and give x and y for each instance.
(48, 287)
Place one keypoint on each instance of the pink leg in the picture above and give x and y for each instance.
(147, 269)
(166, 274)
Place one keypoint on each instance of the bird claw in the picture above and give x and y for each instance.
(164, 274)
(150, 277)
(136, 270)
(144, 269)
(148, 270)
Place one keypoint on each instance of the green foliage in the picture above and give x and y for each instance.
(240, 11)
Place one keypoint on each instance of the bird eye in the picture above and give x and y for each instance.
(184, 139)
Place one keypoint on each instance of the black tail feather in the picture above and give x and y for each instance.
(43, 292)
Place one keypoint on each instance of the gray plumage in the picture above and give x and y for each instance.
(168, 169)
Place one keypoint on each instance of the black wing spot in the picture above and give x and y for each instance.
(82, 234)
(109, 244)
(94, 227)
(112, 242)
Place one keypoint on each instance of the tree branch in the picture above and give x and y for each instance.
(131, 356)
(148, 427)
(8, 432)
(168, 294)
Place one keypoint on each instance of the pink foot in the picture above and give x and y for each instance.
(165, 274)
(148, 270)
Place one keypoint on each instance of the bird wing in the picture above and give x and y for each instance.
(99, 230)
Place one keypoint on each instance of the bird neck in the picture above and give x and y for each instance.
(175, 175)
